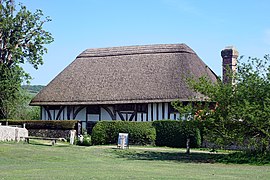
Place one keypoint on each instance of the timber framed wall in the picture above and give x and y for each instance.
(126, 112)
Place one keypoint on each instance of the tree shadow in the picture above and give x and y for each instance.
(194, 157)
(46, 143)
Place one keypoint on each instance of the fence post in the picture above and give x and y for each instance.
(17, 138)
(72, 136)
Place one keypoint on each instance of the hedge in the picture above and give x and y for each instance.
(140, 133)
(43, 124)
(175, 133)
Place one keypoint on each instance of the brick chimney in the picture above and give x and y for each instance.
(229, 63)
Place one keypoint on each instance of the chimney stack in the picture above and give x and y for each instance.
(229, 63)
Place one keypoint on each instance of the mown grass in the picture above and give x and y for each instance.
(42, 161)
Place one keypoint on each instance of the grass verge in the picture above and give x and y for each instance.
(62, 161)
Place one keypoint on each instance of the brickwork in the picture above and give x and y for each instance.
(229, 63)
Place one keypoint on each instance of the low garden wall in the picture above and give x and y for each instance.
(46, 128)
(8, 133)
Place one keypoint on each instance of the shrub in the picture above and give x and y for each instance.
(99, 133)
(175, 133)
(140, 133)
(44, 124)
(86, 141)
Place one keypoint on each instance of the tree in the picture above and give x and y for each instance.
(22, 40)
(243, 108)
(191, 125)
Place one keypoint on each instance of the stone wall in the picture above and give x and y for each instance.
(8, 133)
(53, 133)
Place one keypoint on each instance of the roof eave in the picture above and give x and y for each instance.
(72, 103)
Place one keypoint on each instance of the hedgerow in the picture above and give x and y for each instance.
(43, 124)
(140, 133)
(175, 133)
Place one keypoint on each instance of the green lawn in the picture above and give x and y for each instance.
(41, 161)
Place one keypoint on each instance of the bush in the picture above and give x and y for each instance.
(86, 140)
(245, 157)
(43, 124)
(175, 133)
(140, 133)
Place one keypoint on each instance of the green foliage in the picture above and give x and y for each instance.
(106, 132)
(43, 124)
(246, 158)
(242, 113)
(18, 108)
(9, 88)
(87, 141)
(22, 39)
(33, 89)
(22, 35)
(175, 133)
(99, 133)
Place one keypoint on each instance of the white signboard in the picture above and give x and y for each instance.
(122, 140)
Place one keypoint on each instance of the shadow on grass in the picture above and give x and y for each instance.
(196, 157)
(41, 143)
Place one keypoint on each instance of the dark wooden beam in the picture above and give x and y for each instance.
(59, 112)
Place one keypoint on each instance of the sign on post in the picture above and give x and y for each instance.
(122, 140)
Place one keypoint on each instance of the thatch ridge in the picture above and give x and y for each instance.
(133, 50)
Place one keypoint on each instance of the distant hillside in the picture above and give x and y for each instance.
(33, 89)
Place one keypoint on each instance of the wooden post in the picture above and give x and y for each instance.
(72, 136)
(188, 146)
(17, 138)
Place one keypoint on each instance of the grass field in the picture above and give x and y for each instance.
(41, 161)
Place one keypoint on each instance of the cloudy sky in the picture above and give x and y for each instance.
(206, 26)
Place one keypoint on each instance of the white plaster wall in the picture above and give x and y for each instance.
(160, 111)
(166, 111)
(63, 115)
(154, 111)
(117, 117)
(129, 115)
(139, 117)
(177, 116)
(172, 116)
(144, 116)
(44, 114)
(105, 115)
(81, 115)
(149, 112)
(93, 117)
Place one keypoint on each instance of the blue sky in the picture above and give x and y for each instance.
(206, 26)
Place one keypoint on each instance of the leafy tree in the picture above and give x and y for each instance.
(242, 113)
(22, 40)
(20, 109)
(191, 114)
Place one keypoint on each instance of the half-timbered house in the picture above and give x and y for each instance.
(131, 83)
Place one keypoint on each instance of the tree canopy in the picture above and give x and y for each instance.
(241, 115)
(22, 40)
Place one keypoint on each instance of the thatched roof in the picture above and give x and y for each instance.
(130, 74)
